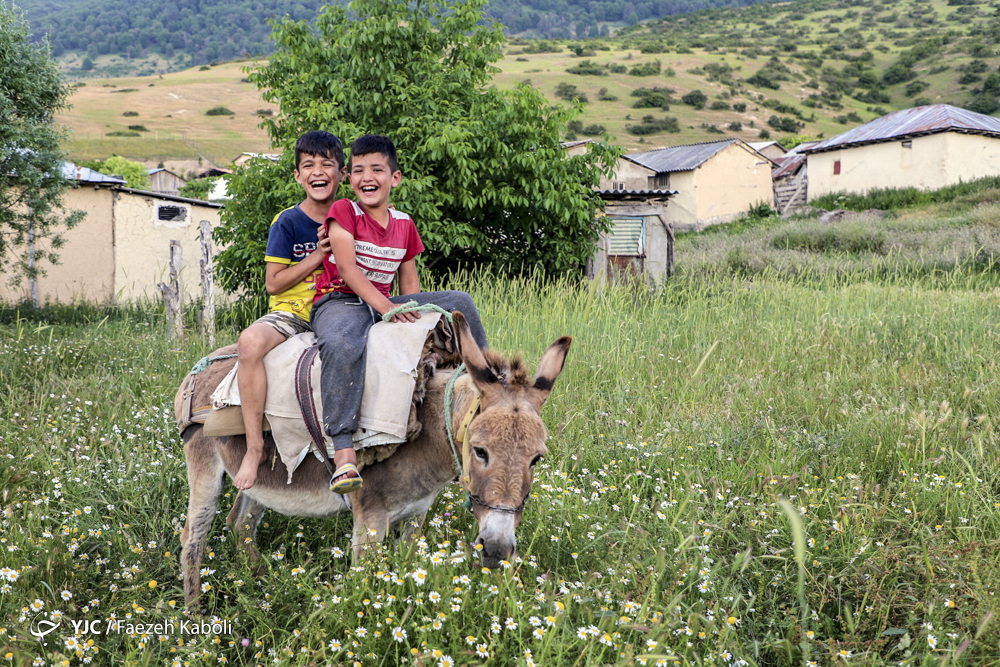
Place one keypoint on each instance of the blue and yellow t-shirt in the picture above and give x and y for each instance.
(293, 238)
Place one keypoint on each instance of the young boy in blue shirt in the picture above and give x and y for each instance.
(294, 259)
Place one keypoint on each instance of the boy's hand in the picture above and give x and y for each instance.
(404, 317)
(323, 241)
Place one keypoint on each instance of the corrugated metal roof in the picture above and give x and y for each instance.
(679, 158)
(913, 122)
(761, 145)
(611, 194)
(787, 165)
(87, 175)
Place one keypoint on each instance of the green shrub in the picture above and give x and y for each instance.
(220, 111)
(125, 90)
(719, 105)
(568, 92)
(653, 98)
(646, 69)
(695, 98)
(604, 96)
(651, 125)
(138, 128)
(587, 67)
(265, 112)
(740, 106)
(617, 68)
(593, 130)
(122, 133)
(763, 81)
(130, 113)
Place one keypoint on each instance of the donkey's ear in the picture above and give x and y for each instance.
(473, 357)
(548, 370)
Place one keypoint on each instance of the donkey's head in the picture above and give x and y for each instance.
(507, 438)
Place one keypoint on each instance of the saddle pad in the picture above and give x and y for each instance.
(393, 354)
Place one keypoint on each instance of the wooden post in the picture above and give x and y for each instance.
(207, 286)
(670, 249)
(172, 293)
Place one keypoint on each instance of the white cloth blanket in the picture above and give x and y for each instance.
(393, 355)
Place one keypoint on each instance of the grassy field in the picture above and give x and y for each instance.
(790, 463)
(172, 109)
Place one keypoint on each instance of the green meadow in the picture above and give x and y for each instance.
(787, 455)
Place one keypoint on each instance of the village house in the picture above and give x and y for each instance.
(121, 249)
(713, 182)
(925, 147)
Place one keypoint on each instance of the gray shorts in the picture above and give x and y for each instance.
(285, 323)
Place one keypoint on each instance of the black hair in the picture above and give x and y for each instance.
(375, 143)
(321, 143)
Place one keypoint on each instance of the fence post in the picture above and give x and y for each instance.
(172, 293)
(207, 286)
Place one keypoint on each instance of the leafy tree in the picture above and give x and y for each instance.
(134, 173)
(31, 177)
(485, 177)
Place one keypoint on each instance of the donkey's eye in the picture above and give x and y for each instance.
(482, 454)
(536, 460)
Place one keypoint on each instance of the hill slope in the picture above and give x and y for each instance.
(120, 37)
(807, 67)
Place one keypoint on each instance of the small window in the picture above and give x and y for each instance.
(836, 167)
(907, 143)
(618, 186)
(659, 181)
(171, 213)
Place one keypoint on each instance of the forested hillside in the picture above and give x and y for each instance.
(180, 33)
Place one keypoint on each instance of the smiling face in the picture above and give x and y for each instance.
(373, 180)
(319, 175)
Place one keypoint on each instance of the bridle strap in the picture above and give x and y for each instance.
(496, 508)
(465, 437)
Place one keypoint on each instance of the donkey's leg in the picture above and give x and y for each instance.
(370, 527)
(243, 520)
(205, 477)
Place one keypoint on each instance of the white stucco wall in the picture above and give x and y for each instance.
(931, 162)
(86, 260)
(142, 245)
(634, 176)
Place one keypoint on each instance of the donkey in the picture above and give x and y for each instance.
(506, 439)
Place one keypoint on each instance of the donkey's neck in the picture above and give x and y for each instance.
(434, 413)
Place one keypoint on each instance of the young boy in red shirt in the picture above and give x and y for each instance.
(371, 245)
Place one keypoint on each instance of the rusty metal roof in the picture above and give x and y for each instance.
(913, 122)
(630, 194)
(679, 158)
(787, 165)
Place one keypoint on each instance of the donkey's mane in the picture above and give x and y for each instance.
(512, 369)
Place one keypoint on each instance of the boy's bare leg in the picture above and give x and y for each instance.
(255, 341)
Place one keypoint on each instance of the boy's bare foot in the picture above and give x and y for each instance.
(247, 474)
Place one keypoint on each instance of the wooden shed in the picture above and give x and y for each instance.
(165, 182)
(640, 244)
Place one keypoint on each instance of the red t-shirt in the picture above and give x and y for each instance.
(379, 252)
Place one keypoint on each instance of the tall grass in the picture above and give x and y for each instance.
(892, 199)
(656, 533)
